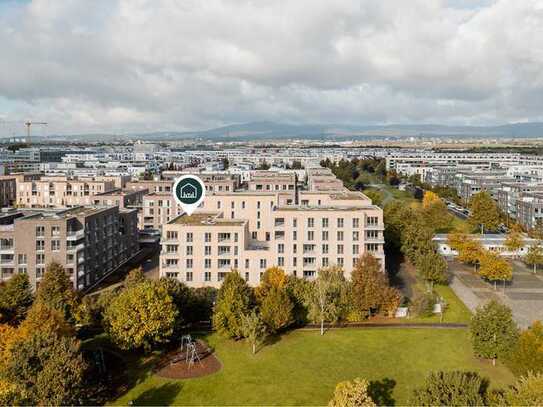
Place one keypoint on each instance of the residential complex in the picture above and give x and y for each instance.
(90, 242)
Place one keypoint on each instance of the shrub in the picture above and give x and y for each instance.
(352, 393)
(527, 355)
(454, 388)
(423, 305)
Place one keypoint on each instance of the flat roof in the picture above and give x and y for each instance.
(205, 219)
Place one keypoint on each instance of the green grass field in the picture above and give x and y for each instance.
(302, 368)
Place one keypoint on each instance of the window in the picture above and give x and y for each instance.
(207, 264)
(232, 205)
(188, 276)
(325, 235)
(207, 276)
(171, 248)
(339, 222)
(21, 259)
(40, 245)
(324, 249)
(171, 235)
(356, 235)
(254, 235)
(189, 250)
(207, 237)
(340, 236)
(372, 221)
(189, 237)
(325, 262)
(294, 235)
(40, 231)
(372, 234)
(246, 276)
(356, 249)
(310, 222)
(262, 263)
(356, 222)
(340, 261)
(40, 258)
(246, 264)
(242, 204)
(372, 247)
(324, 222)
(55, 230)
(189, 263)
(280, 248)
(294, 222)
(55, 245)
(339, 249)
(218, 204)
(280, 261)
(258, 205)
(310, 235)
(207, 251)
(294, 261)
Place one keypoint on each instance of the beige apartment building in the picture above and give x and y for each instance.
(8, 191)
(51, 192)
(90, 242)
(251, 231)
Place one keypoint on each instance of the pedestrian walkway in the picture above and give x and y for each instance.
(524, 294)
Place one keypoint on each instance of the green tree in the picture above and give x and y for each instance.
(142, 315)
(329, 296)
(528, 391)
(57, 292)
(15, 298)
(299, 291)
(234, 300)
(253, 329)
(417, 238)
(200, 306)
(48, 370)
(273, 277)
(432, 268)
(493, 331)
(352, 393)
(484, 212)
(181, 297)
(534, 257)
(494, 267)
(527, 354)
(276, 309)
(134, 277)
(437, 215)
(454, 388)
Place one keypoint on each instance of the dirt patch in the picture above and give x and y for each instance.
(174, 364)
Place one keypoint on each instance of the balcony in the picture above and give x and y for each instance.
(6, 249)
(72, 249)
(74, 235)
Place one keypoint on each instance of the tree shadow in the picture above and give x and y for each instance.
(381, 391)
(163, 395)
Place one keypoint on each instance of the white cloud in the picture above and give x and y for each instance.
(162, 64)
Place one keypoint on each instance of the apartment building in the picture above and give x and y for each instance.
(252, 231)
(51, 192)
(121, 198)
(266, 181)
(529, 210)
(90, 242)
(8, 191)
(509, 193)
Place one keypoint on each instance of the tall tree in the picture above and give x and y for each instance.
(329, 296)
(234, 300)
(484, 212)
(527, 354)
(417, 238)
(142, 315)
(432, 267)
(429, 199)
(352, 393)
(534, 257)
(493, 331)
(47, 369)
(57, 292)
(273, 277)
(514, 240)
(437, 215)
(134, 277)
(253, 329)
(15, 298)
(494, 267)
(454, 388)
(276, 309)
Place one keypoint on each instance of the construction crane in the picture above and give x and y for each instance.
(28, 124)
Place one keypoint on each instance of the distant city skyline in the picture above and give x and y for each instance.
(125, 66)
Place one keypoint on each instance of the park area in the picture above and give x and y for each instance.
(302, 368)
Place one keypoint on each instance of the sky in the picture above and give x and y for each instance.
(152, 65)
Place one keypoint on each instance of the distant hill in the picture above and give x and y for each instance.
(271, 130)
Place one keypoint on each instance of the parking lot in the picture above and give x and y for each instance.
(524, 294)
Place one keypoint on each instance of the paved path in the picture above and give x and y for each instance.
(524, 294)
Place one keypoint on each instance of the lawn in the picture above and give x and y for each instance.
(302, 368)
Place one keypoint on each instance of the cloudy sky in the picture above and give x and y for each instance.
(139, 65)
